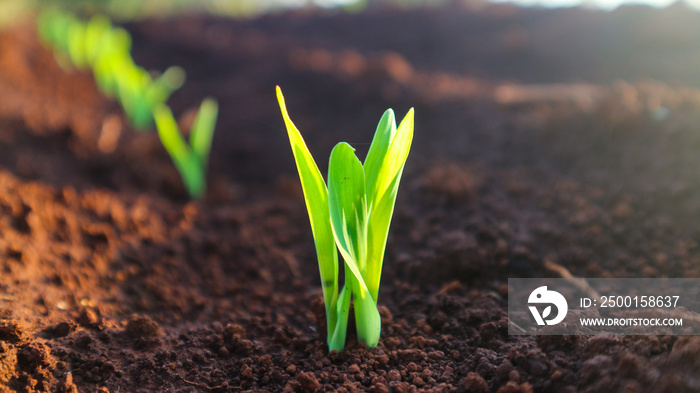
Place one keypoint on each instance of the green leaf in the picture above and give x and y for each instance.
(97, 29)
(47, 22)
(76, 45)
(164, 85)
(336, 341)
(348, 206)
(347, 202)
(180, 152)
(378, 233)
(169, 132)
(120, 41)
(203, 130)
(395, 157)
(173, 78)
(58, 31)
(386, 130)
(383, 200)
(105, 76)
(368, 322)
(133, 82)
(316, 198)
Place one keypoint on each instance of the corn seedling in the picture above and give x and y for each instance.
(191, 158)
(106, 50)
(352, 213)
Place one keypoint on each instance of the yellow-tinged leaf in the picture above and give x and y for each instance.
(383, 200)
(386, 130)
(316, 198)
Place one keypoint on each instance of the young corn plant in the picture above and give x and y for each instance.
(139, 94)
(190, 158)
(106, 50)
(352, 213)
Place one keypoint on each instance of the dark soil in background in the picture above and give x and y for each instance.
(112, 281)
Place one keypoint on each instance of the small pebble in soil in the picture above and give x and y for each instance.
(233, 332)
(246, 372)
(244, 347)
(475, 383)
(140, 326)
(557, 375)
(392, 342)
(61, 330)
(223, 352)
(308, 382)
(418, 341)
(266, 360)
(87, 317)
(418, 381)
(393, 376)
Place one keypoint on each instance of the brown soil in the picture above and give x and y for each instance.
(112, 282)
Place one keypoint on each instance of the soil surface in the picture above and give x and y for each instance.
(543, 138)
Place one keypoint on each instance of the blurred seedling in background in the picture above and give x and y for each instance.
(353, 213)
(191, 158)
(98, 46)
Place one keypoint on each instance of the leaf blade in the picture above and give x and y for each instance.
(316, 199)
(396, 155)
(348, 207)
(386, 130)
(203, 130)
(384, 199)
(368, 322)
(180, 152)
(336, 341)
(347, 202)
